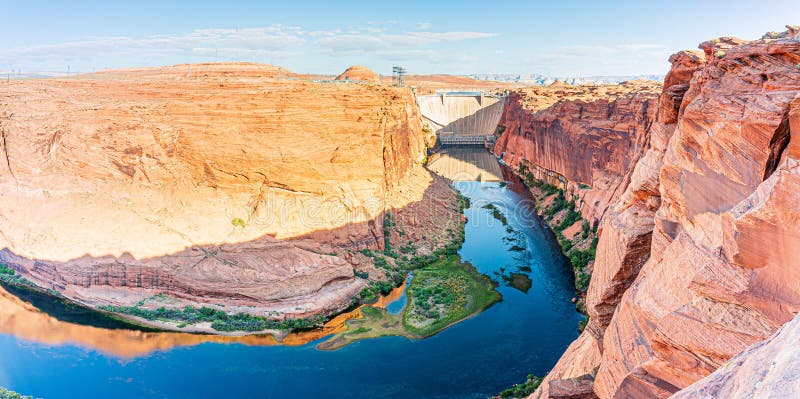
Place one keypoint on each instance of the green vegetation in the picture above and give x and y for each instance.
(370, 293)
(9, 276)
(586, 229)
(561, 213)
(6, 394)
(238, 222)
(444, 293)
(388, 223)
(440, 295)
(570, 218)
(522, 390)
(219, 320)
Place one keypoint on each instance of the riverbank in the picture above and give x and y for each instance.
(575, 235)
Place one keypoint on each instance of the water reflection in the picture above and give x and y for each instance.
(26, 321)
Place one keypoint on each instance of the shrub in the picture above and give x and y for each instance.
(569, 219)
(238, 222)
(220, 320)
(364, 275)
(522, 390)
(582, 281)
(4, 269)
(6, 394)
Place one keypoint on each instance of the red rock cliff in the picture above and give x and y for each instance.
(590, 136)
(698, 257)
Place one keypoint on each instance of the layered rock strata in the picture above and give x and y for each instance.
(698, 255)
(583, 138)
(223, 184)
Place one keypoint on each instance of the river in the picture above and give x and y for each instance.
(523, 334)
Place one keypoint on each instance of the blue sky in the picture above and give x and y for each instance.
(561, 38)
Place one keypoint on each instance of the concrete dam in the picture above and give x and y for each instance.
(462, 118)
(466, 121)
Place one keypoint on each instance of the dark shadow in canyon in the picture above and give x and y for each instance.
(190, 274)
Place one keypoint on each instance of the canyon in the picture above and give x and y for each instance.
(251, 189)
(187, 181)
(694, 191)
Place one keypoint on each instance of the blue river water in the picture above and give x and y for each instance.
(523, 334)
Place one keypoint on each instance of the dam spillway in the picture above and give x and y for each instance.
(463, 118)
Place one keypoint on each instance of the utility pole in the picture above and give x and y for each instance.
(397, 76)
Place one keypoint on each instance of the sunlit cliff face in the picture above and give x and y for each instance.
(150, 162)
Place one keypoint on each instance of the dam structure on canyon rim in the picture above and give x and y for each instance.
(465, 121)
(462, 117)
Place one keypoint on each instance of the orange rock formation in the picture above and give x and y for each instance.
(220, 184)
(359, 73)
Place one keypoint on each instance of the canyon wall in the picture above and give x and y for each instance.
(585, 138)
(697, 256)
(223, 184)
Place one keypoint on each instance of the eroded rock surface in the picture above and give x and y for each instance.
(725, 242)
(697, 259)
(588, 136)
(218, 184)
(767, 369)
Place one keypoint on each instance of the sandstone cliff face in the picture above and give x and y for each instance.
(216, 184)
(767, 369)
(627, 229)
(589, 136)
(697, 259)
(725, 243)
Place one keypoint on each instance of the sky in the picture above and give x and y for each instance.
(560, 38)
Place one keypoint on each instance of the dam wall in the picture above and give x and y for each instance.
(470, 114)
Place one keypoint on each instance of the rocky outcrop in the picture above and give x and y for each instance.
(725, 244)
(697, 256)
(221, 184)
(585, 138)
(628, 226)
(360, 74)
(767, 369)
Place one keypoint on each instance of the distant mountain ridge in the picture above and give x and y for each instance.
(537, 79)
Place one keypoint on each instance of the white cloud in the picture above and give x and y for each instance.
(273, 41)
(362, 42)
(382, 40)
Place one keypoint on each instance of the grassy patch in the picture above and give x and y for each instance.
(444, 293)
(440, 295)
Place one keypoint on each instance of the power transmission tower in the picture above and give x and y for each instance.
(397, 76)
